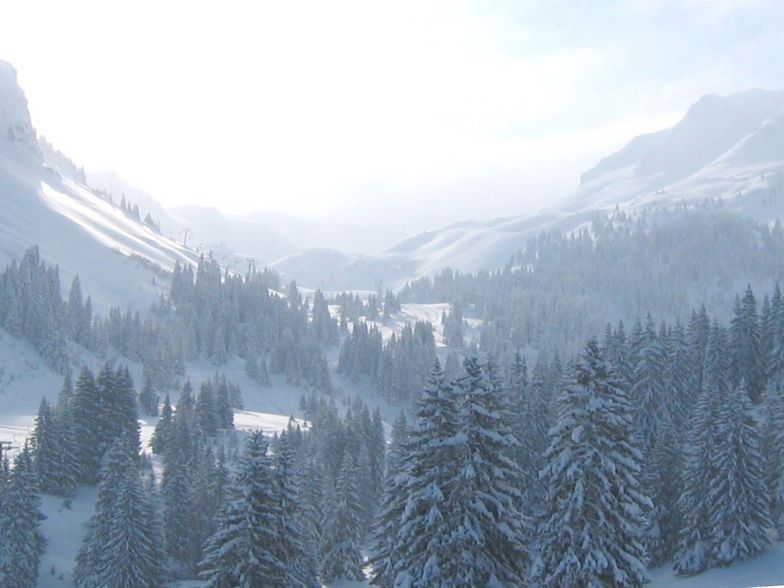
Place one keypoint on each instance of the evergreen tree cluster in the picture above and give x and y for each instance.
(398, 368)
(54, 440)
(298, 506)
(652, 448)
(103, 410)
(391, 303)
(131, 210)
(122, 542)
(343, 463)
(21, 542)
(31, 306)
(453, 327)
(195, 476)
(222, 313)
(92, 435)
(70, 439)
(256, 369)
(664, 444)
(258, 539)
(352, 308)
(561, 288)
(706, 414)
(592, 530)
(158, 346)
(207, 315)
(453, 506)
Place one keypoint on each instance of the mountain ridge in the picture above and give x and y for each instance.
(46, 203)
(735, 148)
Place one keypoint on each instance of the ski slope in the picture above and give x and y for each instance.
(119, 260)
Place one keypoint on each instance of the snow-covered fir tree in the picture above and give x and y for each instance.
(293, 545)
(695, 540)
(393, 502)
(453, 327)
(163, 428)
(62, 479)
(418, 551)
(121, 547)
(45, 443)
(593, 534)
(243, 551)
(737, 494)
(132, 555)
(21, 542)
(148, 398)
(664, 520)
(339, 549)
(747, 359)
(102, 410)
(179, 458)
(486, 526)
(530, 421)
(648, 385)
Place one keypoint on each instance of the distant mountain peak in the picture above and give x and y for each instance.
(16, 128)
(711, 127)
(727, 152)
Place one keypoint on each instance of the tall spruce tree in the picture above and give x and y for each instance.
(747, 359)
(393, 502)
(737, 494)
(647, 393)
(45, 443)
(695, 538)
(242, 553)
(65, 475)
(21, 542)
(132, 555)
(163, 428)
(114, 464)
(418, 550)
(292, 545)
(664, 521)
(87, 424)
(340, 555)
(595, 507)
(121, 548)
(148, 398)
(487, 529)
(179, 532)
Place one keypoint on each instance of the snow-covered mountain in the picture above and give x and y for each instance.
(728, 149)
(723, 148)
(231, 240)
(313, 267)
(45, 202)
(225, 236)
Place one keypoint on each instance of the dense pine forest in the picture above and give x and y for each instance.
(402, 295)
(658, 442)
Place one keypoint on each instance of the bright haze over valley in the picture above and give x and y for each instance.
(399, 117)
(409, 294)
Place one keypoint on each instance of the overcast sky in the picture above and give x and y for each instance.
(435, 111)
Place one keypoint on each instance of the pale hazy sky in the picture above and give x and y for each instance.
(440, 110)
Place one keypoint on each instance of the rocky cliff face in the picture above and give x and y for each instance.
(16, 128)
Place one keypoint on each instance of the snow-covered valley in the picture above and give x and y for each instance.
(588, 395)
